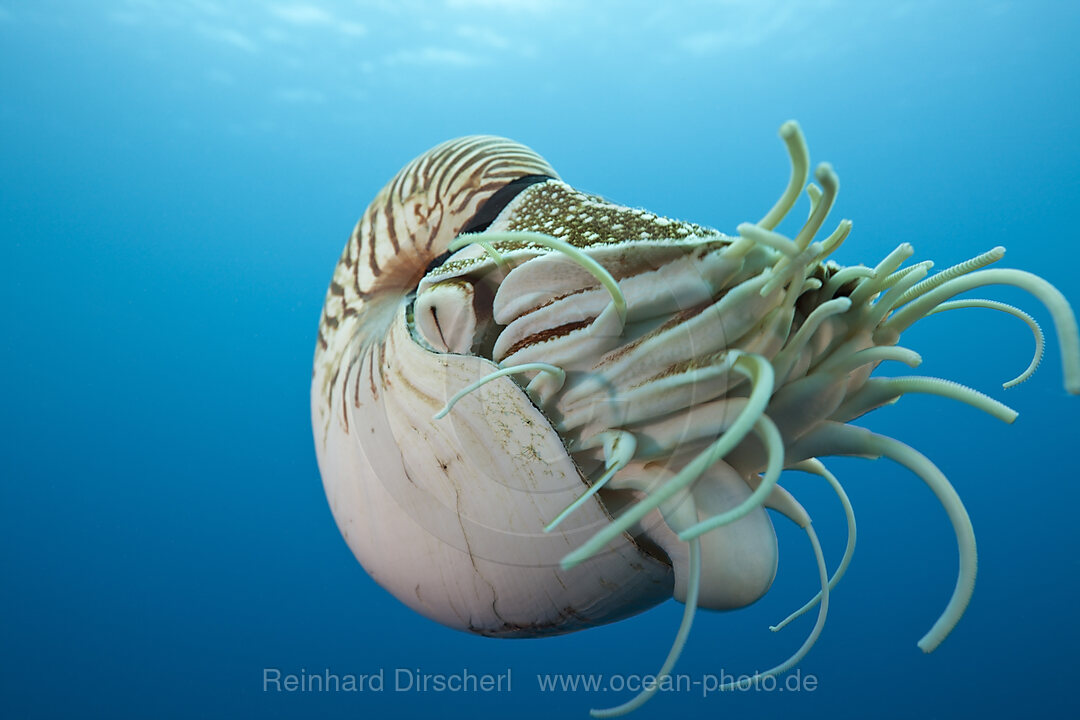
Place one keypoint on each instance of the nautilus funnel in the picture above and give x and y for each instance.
(537, 411)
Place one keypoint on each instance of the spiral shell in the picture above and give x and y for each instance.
(423, 505)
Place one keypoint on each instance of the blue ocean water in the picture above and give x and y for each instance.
(178, 179)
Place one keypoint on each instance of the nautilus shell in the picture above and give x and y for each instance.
(536, 411)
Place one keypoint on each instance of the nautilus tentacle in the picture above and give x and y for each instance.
(536, 410)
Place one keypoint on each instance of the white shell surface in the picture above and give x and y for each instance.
(448, 514)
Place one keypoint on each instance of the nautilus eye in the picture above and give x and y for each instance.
(537, 411)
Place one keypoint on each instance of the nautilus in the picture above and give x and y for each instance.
(536, 411)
